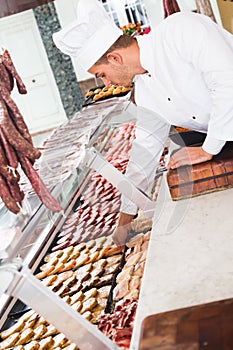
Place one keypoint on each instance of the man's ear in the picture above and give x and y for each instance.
(114, 58)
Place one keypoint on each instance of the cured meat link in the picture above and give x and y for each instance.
(8, 200)
(15, 191)
(9, 151)
(6, 79)
(7, 61)
(15, 114)
(14, 137)
(4, 169)
(38, 185)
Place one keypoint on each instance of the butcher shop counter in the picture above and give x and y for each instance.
(67, 178)
(189, 262)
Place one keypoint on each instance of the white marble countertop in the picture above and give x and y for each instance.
(190, 255)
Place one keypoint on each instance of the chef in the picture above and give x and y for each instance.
(182, 74)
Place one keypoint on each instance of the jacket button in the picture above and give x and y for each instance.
(169, 99)
(193, 117)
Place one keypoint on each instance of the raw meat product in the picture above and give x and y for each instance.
(5, 194)
(144, 254)
(64, 276)
(52, 261)
(122, 337)
(121, 290)
(125, 274)
(15, 115)
(47, 343)
(14, 137)
(66, 231)
(45, 272)
(102, 302)
(88, 305)
(93, 256)
(34, 345)
(77, 306)
(17, 327)
(6, 78)
(111, 269)
(10, 341)
(112, 260)
(8, 63)
(25, 336)
(106, 279)
(41, 190)
(139, 268)
(87, 315)
(77, 297)
(9, 152)
(136, 240)
(27, 315)
(69, 265)
(70, 347)
(51, 330)
(75, 240)
(133, 294)
(70, 281)
(64, 239)
(91, 244)
(90, 293)
(60, 246)
(59, 340)
(134, 283)
(58, 268)
(145, 245)
(39, 331)
(103, 292)
(113, 250)
(82, 259)
(133, 259)
(50, 256)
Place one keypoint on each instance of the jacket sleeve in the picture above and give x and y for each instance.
(209, 48)
(151, 136)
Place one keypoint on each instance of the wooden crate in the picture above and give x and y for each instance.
(214, 175)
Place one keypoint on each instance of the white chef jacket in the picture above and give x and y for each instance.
(189, 83)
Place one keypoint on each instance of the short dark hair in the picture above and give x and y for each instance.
(122, 42)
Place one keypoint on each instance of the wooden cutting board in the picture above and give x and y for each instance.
(203, 327)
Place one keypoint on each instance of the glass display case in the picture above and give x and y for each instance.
(72, 154)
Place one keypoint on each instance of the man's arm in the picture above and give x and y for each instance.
(188, 156)
(151, 135)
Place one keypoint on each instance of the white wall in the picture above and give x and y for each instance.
(66, 10)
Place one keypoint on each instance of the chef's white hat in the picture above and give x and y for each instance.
(90, 35)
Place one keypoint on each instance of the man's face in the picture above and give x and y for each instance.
(117, 74)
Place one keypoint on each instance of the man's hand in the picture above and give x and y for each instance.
(188, 156)
(122, 230)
